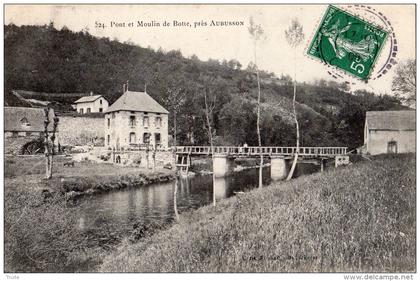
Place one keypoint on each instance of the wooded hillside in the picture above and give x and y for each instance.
(44, 59)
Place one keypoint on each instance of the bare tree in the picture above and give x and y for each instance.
(49, 147)
(175, 99)
(209, 108)
(404, 82)
(175, 197)
(294, 36)
(256, 32)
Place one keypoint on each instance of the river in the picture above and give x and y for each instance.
(116, 212)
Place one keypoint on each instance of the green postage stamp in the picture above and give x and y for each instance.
(347, 42)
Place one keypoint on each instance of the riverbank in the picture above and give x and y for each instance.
(359, 218)
(84, 178)
(42, 227)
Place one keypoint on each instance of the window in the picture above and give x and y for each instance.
(158, 121)
(132, 138)
(108, 138)
(146, 121)
(81, 111)
(146, 138)
(88, 110)
(24, 122)
(100, 101)
(100, 109)
(132, 121)
(109, 122)
(157, 138)
(15, 134)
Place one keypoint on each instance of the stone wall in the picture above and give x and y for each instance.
(122, 131)
(13, 145)
(81, 130)
(378, 141)
(139, 158)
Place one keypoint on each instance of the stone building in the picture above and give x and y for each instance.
(136, 120)
(390, 132)
(91, 104)
(23, 125)
(80, 130)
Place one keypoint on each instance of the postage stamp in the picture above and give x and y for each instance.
(347, 42)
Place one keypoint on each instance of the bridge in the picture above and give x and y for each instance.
(279, 156)
(266, 151)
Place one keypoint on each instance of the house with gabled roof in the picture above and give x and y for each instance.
(24, 125)
(136, 120)
(91, 104)
(390, 132)
(26, 121)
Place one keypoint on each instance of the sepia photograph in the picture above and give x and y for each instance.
(209, 138)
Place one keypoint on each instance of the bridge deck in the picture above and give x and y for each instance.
(266, 151)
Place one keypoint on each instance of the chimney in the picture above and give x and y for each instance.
(127, 85)
(91, 93)
(123, 88)
(145, 87)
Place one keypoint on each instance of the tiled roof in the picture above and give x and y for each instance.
(137, 101)
(15, 119)
(404, 120)
(88, 99)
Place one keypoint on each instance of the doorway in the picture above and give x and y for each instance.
(392, 147)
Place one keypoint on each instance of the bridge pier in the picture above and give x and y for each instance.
(222, 165)
(278, 168)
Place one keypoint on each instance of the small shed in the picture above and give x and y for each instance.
(390, 132)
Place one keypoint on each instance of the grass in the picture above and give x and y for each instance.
(359, 218)
(41, 229)
(27, 173)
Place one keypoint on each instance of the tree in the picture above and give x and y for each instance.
(404, 82)
(49, 148)
(256, 32)
(209, 108)
(174, 101)
(294, 37)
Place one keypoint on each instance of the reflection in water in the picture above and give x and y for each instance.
(221, 186)
(162, 202)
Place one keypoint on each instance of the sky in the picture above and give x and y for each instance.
(216, 42)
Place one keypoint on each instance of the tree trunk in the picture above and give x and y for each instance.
(47, 155)
(210, 133)
(260, 182)
(292, 169)
(175, 194)
(174, 129)
(174, 142)
(50, 162)
(47, 167)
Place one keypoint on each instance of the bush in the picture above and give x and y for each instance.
(41, 234)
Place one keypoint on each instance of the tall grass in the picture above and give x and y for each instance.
(353, 219)
(42, 235)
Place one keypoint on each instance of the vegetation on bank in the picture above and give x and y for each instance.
(42, 232)
(352, 219)
(27, 173)
(43, 60)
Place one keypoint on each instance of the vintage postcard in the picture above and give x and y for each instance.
(210, 138)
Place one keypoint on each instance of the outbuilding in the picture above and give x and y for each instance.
(91, 104)
(390, 132)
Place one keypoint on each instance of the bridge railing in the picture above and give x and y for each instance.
(255, 150)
